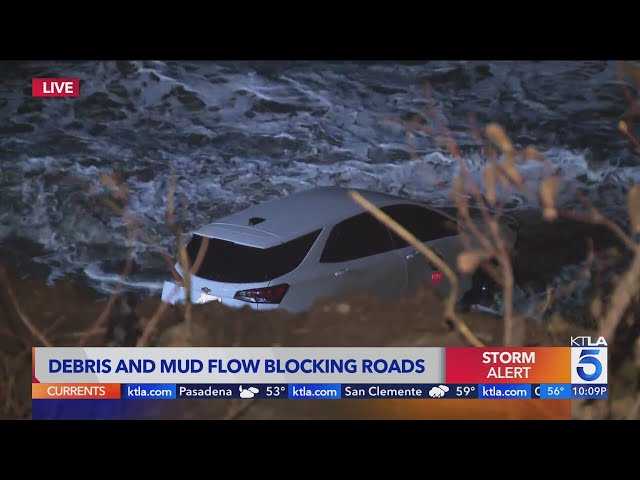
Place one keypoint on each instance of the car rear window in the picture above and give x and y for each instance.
(226, 261)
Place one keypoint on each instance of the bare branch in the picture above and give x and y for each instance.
(202, 250)
(152, 324)
(183, 257)
(462, 206)
(514, 328)
(624, 128)
(569, 288)
(85, 334)
(507, 173)
(633, 209)
(234, 413)
(627, 287)
(635, 410)
(23, 316)
(130, 220)
(498, 136)
(469, 260)
(9, 403)
(597, 218)
(106, 312)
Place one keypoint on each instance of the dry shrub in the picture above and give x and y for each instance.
(502, 170)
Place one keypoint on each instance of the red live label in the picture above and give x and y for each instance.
(55, 87)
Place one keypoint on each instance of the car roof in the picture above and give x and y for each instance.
(291, 216)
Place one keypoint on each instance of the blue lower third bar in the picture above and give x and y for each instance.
(148, 391)
(504, 391)
(315, 391)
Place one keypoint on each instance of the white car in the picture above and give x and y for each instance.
(291, 251)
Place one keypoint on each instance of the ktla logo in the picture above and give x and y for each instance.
(588, 360)
(55, 87)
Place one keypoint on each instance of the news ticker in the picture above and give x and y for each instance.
(319, 391)
(577, 371)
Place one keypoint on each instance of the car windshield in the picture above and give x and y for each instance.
(226, 261)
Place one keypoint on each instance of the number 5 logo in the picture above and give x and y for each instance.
(589, 357)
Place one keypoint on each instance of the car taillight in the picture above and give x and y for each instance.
(273, 294)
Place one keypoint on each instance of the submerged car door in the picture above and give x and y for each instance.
(435, 230)
(359, 257)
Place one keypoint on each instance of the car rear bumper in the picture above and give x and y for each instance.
(173, 293)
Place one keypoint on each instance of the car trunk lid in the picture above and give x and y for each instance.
(240, 235)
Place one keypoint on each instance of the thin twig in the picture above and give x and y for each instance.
(5, 332)
(202, 250)
(13, 403)
(8, 400)
(432, 257)
(140, 233)
(596, 218)
(56, 323)
(23, 317)
(463, 209)
(235, 413)
(569, 288)
(490, 270)
(513, 325)
(102, 318)
(129, 219)
(84, 334)
(183, 257)
(627, 287)
(625, 89)
(106, 312)
(163, 307)
(153, 323)
(635, 410)
(452, 146)
(544, 306)
(237, 333)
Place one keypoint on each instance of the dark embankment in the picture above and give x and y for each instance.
(32, 313)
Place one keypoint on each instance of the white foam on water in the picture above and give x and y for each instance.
(238, 133)
(67, 225)
(110, 282)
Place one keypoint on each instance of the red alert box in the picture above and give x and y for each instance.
(508, 365)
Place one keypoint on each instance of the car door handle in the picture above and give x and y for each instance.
(411, 255)
(339, 273)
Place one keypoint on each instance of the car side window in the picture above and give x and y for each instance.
(424, 223)
(357, 237)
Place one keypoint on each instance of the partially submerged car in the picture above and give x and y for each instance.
(291, 251)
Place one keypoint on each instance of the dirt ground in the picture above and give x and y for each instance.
(66, 311)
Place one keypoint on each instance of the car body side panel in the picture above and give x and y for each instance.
(420, 270)
(447, 249)
(383, 275)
